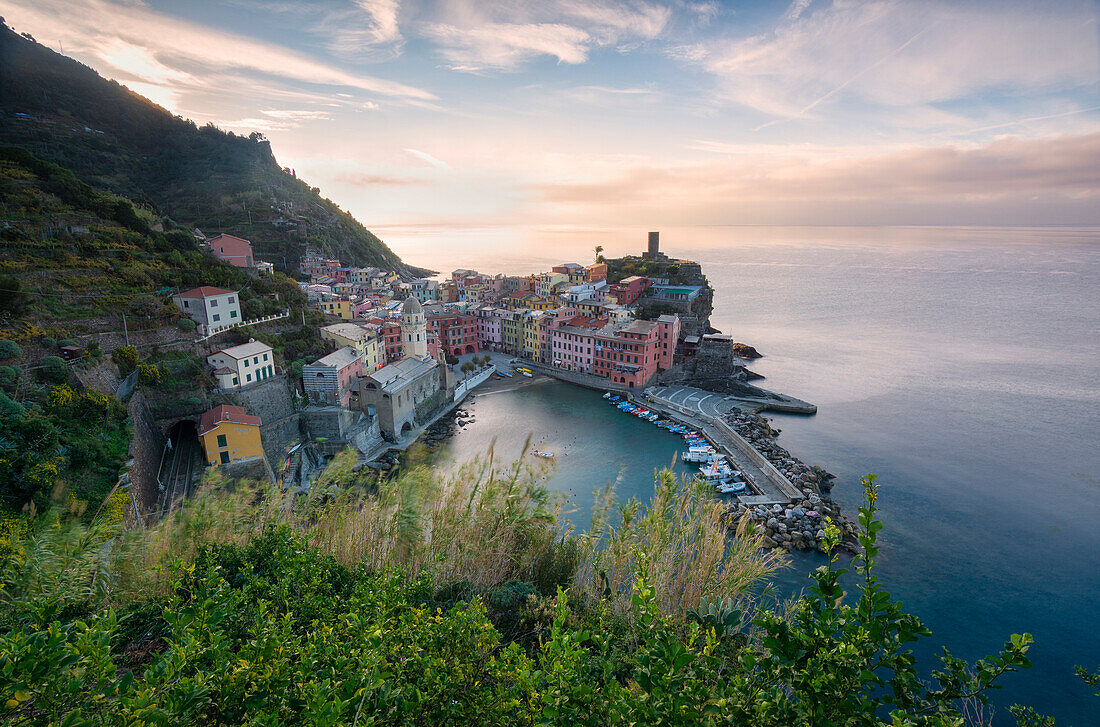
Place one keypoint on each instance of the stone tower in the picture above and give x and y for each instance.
(414, 329)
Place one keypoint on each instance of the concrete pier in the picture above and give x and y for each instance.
(768, 484)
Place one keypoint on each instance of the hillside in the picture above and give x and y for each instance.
(73, 255)
(64, 112)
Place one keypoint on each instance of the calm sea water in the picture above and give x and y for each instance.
(961, 365)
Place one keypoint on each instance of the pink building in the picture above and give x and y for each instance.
(236, 251)
(573, 343)
(627, 354)
(668, 335)
(489, 334)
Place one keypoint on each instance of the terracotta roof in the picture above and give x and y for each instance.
(204, 291)
(225, 413)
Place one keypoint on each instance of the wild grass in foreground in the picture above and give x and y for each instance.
(421, 600)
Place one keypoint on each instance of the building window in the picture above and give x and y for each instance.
(248, 377)
(232, 314)
(217, 317)
(230, 299)
(225, 457)
(214, 303)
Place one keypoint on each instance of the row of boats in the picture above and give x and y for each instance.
(713, 467)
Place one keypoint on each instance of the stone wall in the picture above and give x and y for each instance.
(146, 450)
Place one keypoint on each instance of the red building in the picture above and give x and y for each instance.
(456, 332)
(627, 354)
(236, 251)
(628, 290)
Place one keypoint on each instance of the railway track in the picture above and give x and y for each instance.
(179, 481)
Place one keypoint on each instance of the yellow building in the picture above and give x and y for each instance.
(363, 337)
(229, 434)
(341, 308)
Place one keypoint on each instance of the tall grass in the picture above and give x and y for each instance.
(483, 524)
(679, 542)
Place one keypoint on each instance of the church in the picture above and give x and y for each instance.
(410, 391)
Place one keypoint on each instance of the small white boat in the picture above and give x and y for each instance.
(607, 395)
(544, 455)
(731, 488)
(527, 374)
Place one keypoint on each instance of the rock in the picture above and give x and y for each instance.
(744, 350)
(772, 523)
(820, 534)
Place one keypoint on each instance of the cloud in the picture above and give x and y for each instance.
(502, 36)
(505, 46)
(191, 53)
(374, 180)
(383, 15)
(426, 157)
(1057, 174)
(903, 53)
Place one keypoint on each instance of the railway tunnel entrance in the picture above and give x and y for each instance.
(180, 467)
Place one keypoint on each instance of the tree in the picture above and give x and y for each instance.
(467, 368)
(9, 349)
(55, 369)
(599, 251)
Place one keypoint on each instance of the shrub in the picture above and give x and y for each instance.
(55, 369)
(126, 357)
(9, 349)
(149, 374)
(48, 342)
(66, 342)
(9, 375)
(186, 325)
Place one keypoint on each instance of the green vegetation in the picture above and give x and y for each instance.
(57, 444)
(71, 258)
(116, 140)
(419, 601)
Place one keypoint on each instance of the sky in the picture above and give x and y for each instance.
(575, 115)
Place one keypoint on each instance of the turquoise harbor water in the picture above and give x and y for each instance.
(960, 365)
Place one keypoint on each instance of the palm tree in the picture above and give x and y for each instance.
(599, 249)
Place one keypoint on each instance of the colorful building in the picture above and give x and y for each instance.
(329, 379)
(668, 336)
(236, 251)
(242, 365)
(627, 353)
(339, 307)
(628, 290)
(229, 434)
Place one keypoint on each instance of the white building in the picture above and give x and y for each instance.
(242, 365)
(212, 308)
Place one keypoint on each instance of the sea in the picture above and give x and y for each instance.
(959, 364)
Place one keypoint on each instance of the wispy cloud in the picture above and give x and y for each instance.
(922, 53)
(375, 180)
(158, 43)
(502, 36)
(431, 161)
